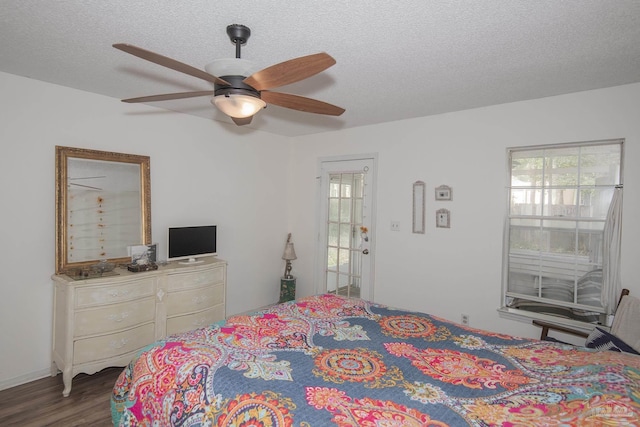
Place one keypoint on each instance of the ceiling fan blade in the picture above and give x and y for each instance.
(169, 63)
(169, 96)
(243, 121)
(296, 102)
(290, 71)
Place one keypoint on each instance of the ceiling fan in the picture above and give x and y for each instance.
(239, 92)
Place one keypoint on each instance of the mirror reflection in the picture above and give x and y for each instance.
(103, 206)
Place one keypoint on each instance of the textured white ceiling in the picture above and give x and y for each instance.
(395, 59)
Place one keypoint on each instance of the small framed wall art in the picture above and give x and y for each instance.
(444, 192)
(418, 207)
(443, 218)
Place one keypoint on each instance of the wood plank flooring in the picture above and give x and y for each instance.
(40, 403)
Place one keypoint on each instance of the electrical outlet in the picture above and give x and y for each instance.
(465, 319)
(395, 226)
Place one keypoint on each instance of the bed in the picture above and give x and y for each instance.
(328, 360)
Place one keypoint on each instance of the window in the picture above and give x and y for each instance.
(556, 247)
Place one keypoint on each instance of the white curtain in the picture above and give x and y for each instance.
(612, 286)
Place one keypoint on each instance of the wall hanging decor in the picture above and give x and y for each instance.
(444, 192)
(418, 207)
(443, 218)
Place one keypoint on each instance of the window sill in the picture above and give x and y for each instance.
(527, 317)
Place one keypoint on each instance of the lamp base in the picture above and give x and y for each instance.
(287, 289)
(287, 271)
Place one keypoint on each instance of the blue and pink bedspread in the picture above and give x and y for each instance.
(327, 360)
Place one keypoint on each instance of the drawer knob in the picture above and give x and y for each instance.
(199, 299)
(119, 344)
(119, 317)
(121, 293)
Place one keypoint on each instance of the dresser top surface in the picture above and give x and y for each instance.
(122, 272)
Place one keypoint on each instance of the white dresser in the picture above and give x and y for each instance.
(102, 322)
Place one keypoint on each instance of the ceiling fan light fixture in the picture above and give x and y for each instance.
(230, 67)
(238, 88)
(237, 105)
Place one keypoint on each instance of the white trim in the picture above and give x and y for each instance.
(612, 141)
(372, 178)
(528, 316)
(27, 378)
(508, 216)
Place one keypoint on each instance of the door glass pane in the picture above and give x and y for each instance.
(343, 258)
(345, 212)
(355, 262)
(358, 186)
(332, 281)
(347, 184)
(332, 259)
(343, 237)
(357, 211)
(333, 234)
(334, 186)
(333, 209)
(343, 280)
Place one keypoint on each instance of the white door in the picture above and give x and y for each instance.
(346, 237)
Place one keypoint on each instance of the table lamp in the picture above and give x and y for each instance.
(288, 255)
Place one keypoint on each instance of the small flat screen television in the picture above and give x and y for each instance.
(191, 243)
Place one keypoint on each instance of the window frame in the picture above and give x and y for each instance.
(543, 216)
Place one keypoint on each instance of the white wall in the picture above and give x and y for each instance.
(201, 172)
(257, 187)
(448, 272)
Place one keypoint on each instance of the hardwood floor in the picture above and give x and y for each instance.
(40, 403)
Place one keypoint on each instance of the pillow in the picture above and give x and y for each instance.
(590, 287)
(600, 339)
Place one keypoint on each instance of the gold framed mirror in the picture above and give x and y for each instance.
(103, 205)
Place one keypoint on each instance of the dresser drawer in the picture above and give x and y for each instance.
(114, 292)
(194, 321)
(194, 279)
(106, 346)
(114, 317)
(194, 299)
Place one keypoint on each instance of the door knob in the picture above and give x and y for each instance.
(365, 251)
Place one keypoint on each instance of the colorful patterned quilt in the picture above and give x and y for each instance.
(327, 360)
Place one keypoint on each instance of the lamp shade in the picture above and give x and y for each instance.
(237, 105)
(289, 252)
(237, 101)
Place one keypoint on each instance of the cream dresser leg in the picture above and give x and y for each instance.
(66, 379)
